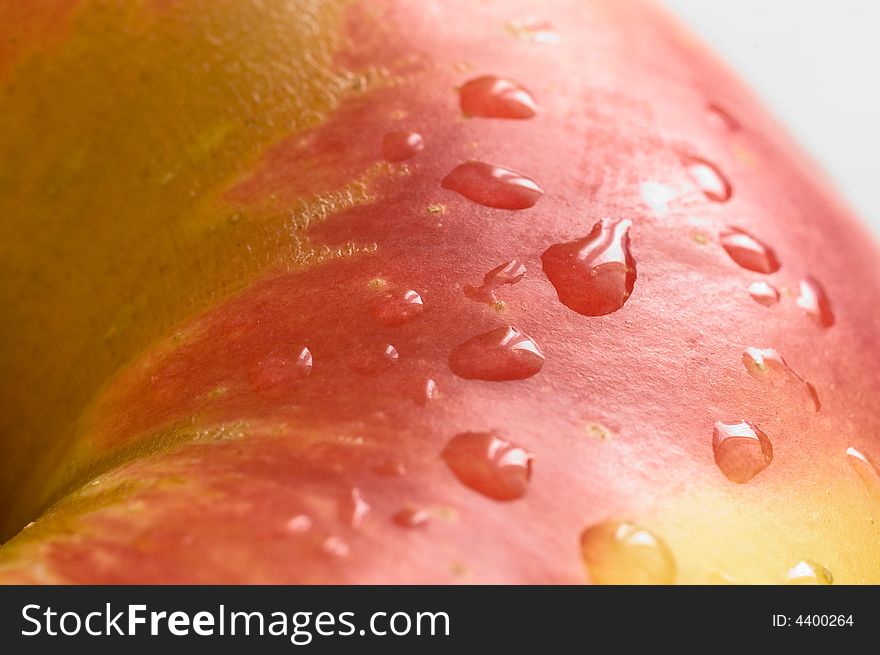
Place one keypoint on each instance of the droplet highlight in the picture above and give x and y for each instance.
(496, 97)
(353, 509)
(711, 181)
(493, 186)
(741, 450)
(768, 366)
(623, 553)
(748, 251)
(764, 293)
(868, 471)
(534, 30)
(489, 464)
(397, 307)
(595, 275)
(505, 353)
(401, 145)
(814, 301)
(807, 572)
(508, 273)
(411, 518)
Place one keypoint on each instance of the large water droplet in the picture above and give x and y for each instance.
(397, 146)
(489, 464)
(749, 252)
(509, 273)
(398, 307)
(595, 275)
(764, 293)
(275, 376)
(353, 509)
(865, 469)
(496, 97)
(741, 450)
(375, 360)
(411, 518)
(505, 353)
(768, 366)
(806, 572)
(814, 301)
(493, 186)
(708, 178)
(619, 552)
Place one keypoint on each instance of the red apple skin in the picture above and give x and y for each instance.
(211, 458)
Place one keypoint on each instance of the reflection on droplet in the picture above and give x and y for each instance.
(595, 275)
(865, 469)
(398, 307)
(749, 252)
(411, 518)
(489, 464)
(353, 509)
(814, 301)
(623, 553)
(768, 366)
(496, 97)
(335, 546)
(657, 196)
(509, 273)
(299, 523)
(397, 146)
(276, 375)
(741, 450)
(505, 353)
(806, 572)
(372, 361)
(764, 293)
(493, 186)
(708, 178)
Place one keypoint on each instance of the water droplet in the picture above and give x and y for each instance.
(509, 273)
(708, 179)
(276, 375)
(619, 552)
(390, 468)
(397, 146)
(411, 518)
(299, 523)
(353, 509)
(496, 97)
(749, 252)
(489, 464)
(532, 29)
(595, 275)
(375, 360)
(427, 391)
(505, 353)
(741, 450)
(768, 366)
(335, 546)
(722, 118)
(764, 293)
(493, 186)
(398, 307)
(806, 572)
(865, 469)
(657, 196)
(814, 301)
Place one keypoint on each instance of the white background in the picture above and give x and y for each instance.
(816, 64)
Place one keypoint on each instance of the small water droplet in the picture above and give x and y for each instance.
(275, 376)
(428, 392)
(764, 293)
(375, 360)
(335, 546)
(722, 118)
(389, 468)
(768, 366)
(623, 553)
(411, 518)
(509, 273)
(657, 196)
(353, 509)
(708, 178)
(496, 97)
(814, 301)
(534, 30)
(398, 307)
(489, 464)
(299, 523)
(493, 186)
(806, 572)
(748, 251)
(595, 275)
(505, 353)
(397, 146)
(741, 450)
(865, 469)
